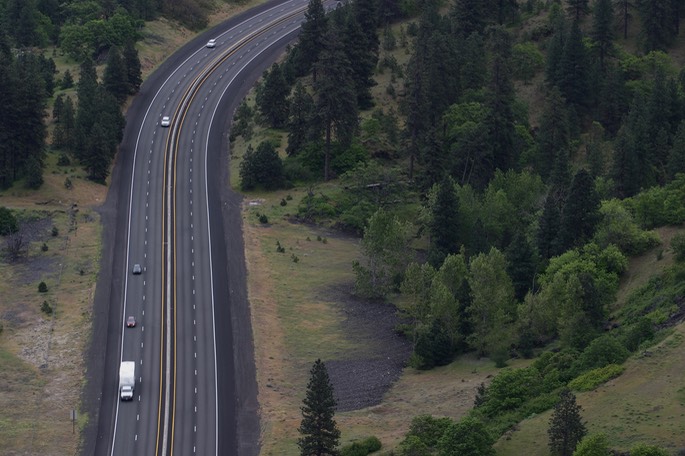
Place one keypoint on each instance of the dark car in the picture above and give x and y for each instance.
(131, 322)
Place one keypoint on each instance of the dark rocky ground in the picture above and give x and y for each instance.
(362, 379)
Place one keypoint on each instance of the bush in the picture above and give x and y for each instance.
(63, 160)
(593, 445)
(8, 222)
(511, 388)
(592, 379)
(366, 446)
(602, 351)
(44, 247)
(46, 308)
(55, 231)
(428, 429)
(647, 450)
(42, 287)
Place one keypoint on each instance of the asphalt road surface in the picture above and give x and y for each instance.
(169, 209)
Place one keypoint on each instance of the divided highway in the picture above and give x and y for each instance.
(169, 220)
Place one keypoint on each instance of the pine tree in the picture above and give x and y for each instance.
(521, 265)
(115, 78)
(500, 118)
(548, 229)
(470, 16)
(273, 98)
(603, 29)
(58, 107)
(658, 27)
(578, 8)
(554, 132)
(362, 57)
(133, 71)
(624, 8)
(318, 430)
(67, 80)
(581, 212)
(444, 225)
(336, 101)
(566, 428)
(676, 156)
(301, 111)
(573, 76)
(311, 38)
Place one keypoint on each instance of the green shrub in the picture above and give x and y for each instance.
(263, 219)
(8, 222)
(55, 231)
(261, 168)
(637, 333)
(428, 429)
(593, 445)
(647, 450)
(592, 379)
(46, 308)
(362, 448)
(42, 287)
(510, 389)
(602, 351)
(44, 247)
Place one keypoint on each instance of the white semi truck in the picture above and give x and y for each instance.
(127, 380)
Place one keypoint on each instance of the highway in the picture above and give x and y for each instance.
(188, 343)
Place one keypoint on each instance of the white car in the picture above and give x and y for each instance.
(211, 43)
(166, 121)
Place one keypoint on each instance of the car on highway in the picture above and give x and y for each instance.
(137, 269)
(131, 321)
(166, 121)
(211, 43)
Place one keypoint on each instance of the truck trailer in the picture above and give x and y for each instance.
(127, 380)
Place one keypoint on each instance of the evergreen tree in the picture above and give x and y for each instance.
(603, 29)
(336, 101)
(58, 107)
(301, 107)
(578, 8)
(676, 156)
(67, 80)
(500, 118)
(624, 8)
(613, 102)
(318, 430)
(366, 16)
(261, 168)
(444, 225)
(581, 212)
(659, 28)
(625, 169)
(573, 75)
(311, 38)
(521, 265)
(115, 77)
(86, 113)
(548, 229)
(133, 70)
(362, 56)
(566, 428)
(554, 133)
(272, 99)
(555, 52)
(470, 16)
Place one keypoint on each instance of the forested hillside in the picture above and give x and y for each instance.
(522, 211)
(87, 123)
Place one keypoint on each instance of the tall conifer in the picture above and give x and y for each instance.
(318, 429)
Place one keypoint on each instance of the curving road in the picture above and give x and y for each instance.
(195, 387)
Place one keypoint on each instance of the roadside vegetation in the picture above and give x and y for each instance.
(498, 174)
(500, 222)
